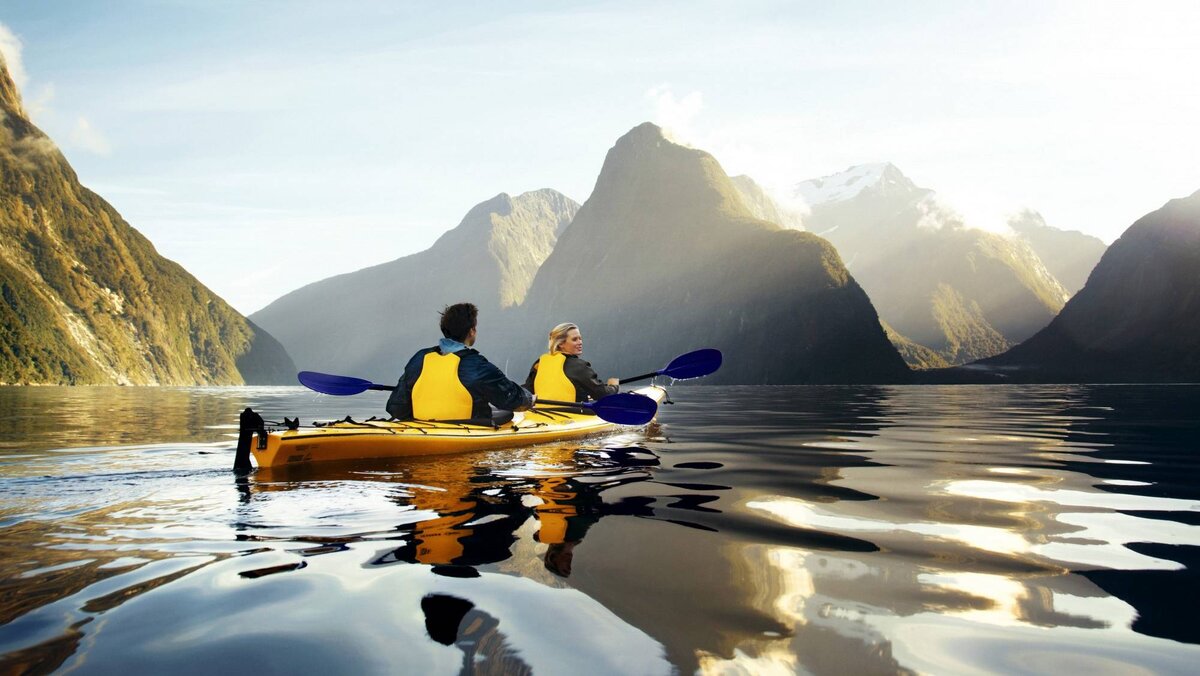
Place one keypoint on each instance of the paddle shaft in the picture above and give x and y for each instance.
(685, 367)
(644, 376)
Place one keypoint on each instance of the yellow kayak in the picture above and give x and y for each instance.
(385, 439)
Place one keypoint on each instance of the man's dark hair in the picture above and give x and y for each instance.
(458, 320)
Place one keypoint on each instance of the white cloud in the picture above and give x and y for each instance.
(83, 134)
(937, 215)
(36, 104)
(675, 115)
(87, 137)
(976, 211)
(10, 47)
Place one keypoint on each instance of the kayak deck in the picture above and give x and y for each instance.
(392, 439)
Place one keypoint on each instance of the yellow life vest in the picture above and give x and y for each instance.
(551, 382)
(438, 394)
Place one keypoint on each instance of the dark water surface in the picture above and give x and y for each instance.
(951, 530)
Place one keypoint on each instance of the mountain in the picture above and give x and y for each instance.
(765, 207)
(1069, 255)
(88, 300)
(1138, 317)
(665, 257)
(880, 182)
(367, 323)
(851, 208)
(961, 292)
(915, 355)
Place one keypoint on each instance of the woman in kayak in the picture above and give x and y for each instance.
(561, 374)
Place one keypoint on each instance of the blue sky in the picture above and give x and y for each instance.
(266, 145)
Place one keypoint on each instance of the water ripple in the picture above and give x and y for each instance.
(958, 529)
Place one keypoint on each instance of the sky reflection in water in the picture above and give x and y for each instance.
(824, 529)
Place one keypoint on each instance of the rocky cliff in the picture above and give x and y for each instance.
(367, 323)
(665, 257)
(88, 300)
(1138, 317)
(1069, 255)
(958, 291)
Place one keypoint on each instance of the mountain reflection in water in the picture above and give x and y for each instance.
(956, 529)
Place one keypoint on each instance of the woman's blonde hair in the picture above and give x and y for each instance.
(558, 335)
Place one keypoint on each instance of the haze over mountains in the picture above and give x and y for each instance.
(1138, 317)
(951, 293)
(88, 300)
(665, 257)
(765, 207)
(1069, 255)
(369, 322)
(667, 254)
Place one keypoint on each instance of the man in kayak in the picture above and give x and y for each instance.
(452, 381)
(560, 374)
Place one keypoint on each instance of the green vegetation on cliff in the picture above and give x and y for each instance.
(88, 300)
(957, 291)
(1068, 254)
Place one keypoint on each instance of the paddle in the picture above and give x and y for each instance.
(626, 408)
(691, 365)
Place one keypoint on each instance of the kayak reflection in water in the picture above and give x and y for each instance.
(564, 515)
(477, 521)
(452, 381)
(561, 374)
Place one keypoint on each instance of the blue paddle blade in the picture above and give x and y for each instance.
(626, 408)
(693, 364)
(326, 383)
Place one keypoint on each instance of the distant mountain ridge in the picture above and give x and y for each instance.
(369, 321)
(669, 254)
(763, 206)
(881, 180)
(665, 257)
(1069, 255)
(960, 292)
(88, 300)
(857, 209)
(1136, 320)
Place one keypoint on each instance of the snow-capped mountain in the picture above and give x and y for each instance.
(666, 254)
(959, 291)
(882, 178)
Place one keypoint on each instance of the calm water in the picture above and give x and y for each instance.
(952, 530)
